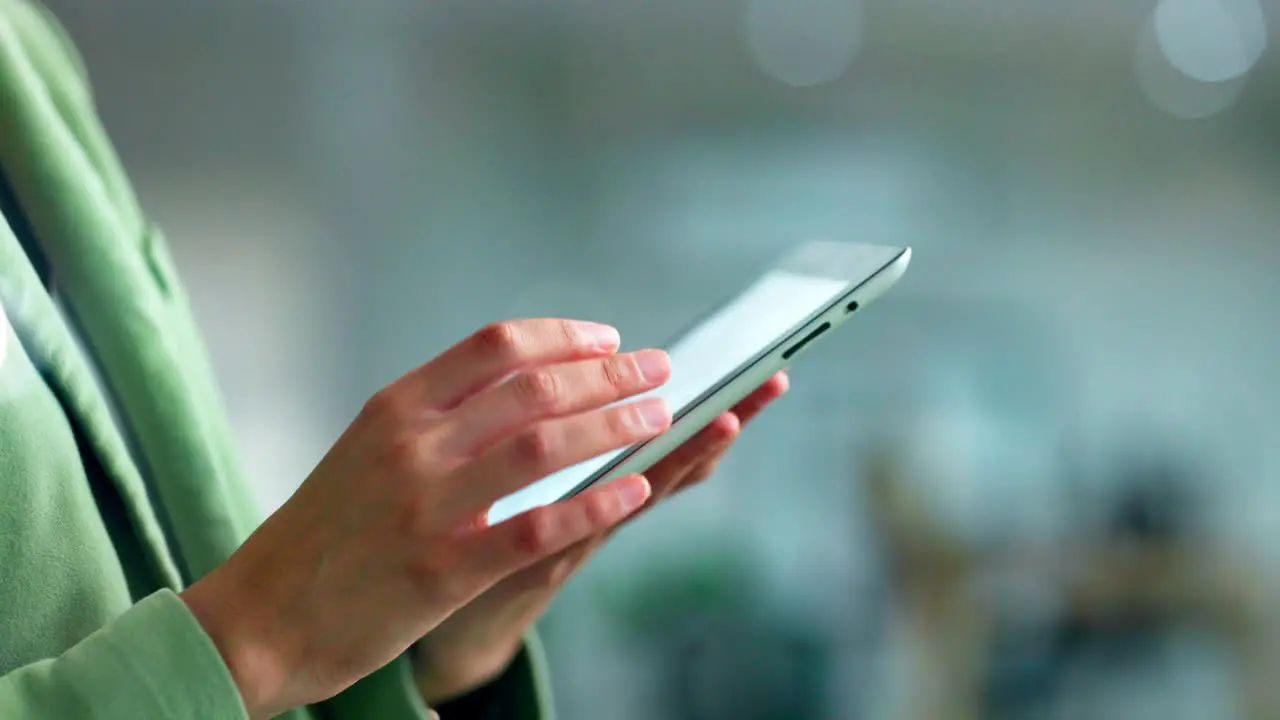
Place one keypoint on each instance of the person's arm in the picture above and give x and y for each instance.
(154, 661)
(520, 692)
(440, 493)
(53, 685)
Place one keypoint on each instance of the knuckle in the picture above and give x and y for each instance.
(539, 389)
(535, 533)
(405, 452)
(499, 338)
(434, 572)
(622, 423)
(571, 333)
(619, 373)
(536, 447)
(600, 510)
(383, 405)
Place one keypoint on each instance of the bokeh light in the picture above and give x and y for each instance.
(804, 43)
(1211, 40)
(1173, 90)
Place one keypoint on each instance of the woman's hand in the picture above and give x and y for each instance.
(374, 550)
(475, 644)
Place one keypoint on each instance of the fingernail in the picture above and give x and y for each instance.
(653, 413)
(654, 365)
(633, 494)
(600, 336)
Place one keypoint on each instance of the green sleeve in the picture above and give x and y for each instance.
(154, 661)
(522, 692)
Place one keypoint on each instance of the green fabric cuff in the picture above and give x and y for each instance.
(387, 694)
(532, 664)
(154, 661)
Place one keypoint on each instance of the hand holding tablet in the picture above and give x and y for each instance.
(734, 350)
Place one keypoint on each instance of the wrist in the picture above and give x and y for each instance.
(257, 668)
(440, 678)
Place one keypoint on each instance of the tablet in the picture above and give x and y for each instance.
(725, 356)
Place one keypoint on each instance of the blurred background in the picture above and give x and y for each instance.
(1037, 480)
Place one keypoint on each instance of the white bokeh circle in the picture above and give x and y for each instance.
(1172, 90)
(1211, 40)
(804, 43)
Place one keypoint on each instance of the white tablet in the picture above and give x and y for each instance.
(734, 350)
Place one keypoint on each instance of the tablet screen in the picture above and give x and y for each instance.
(713, 351)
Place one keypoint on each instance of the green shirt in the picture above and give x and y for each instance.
(93, 551)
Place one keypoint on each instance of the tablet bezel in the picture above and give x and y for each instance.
(830, 260)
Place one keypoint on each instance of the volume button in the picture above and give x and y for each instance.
(806, 340)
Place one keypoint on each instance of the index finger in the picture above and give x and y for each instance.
(546, 531)
(772, 389)
(717, 434)
(502, 348)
